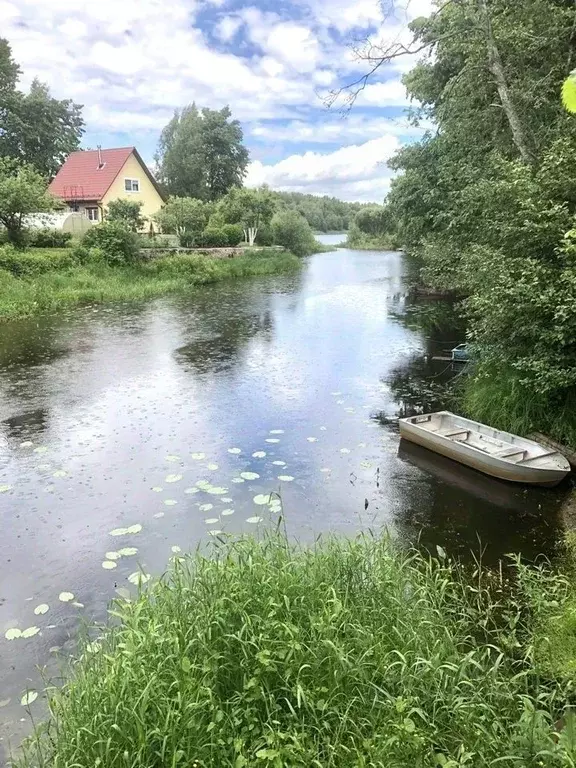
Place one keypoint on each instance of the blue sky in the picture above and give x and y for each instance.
(132, 62)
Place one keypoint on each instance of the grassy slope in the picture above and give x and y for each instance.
(20, 297)
(350, 654)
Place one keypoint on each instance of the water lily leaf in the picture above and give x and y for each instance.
(213, 467)
(249, 475)
(276, 431)
(344, 450)
(26, 444)
(29, 698)
(237, 480)
(118, 532)
(40, 449)
(198, 456)
(227, 512)
(176, 549)
(279, 463)
(206, 507)
(12, 634)
(172, 458)
(272, 440)
(226, 500)
(172, 478)
(108, 565)
(5, 488)
(170, 502)
(211, 520)
(157, 489)
(312, 439)
(30, 632)
(127, 551)
(254, 519)
(216, 490)
(159, 514)
(215, 532)
(259, 454)
(285, 478)
(66, 597)
(234, 451)
(138, 578)
(262, 498)
(4, 703)
(59, 473)
(113, 555)
(185, 664)
(41, 609)
(134, 528)
(191, 490)
(203, 484)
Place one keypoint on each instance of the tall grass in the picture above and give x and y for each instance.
(500, 400)
(97, 282)
(349, 654)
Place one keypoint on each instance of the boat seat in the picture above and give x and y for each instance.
(456, 432)
(540, 456)
(507, 454)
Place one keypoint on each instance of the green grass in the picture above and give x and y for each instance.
(350, 654)
(97, 282)
(500, 400)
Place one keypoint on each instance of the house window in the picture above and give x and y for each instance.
(92, 214)
(132, 185)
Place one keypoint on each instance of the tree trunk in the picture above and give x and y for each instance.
(497, 69)
(251, 232)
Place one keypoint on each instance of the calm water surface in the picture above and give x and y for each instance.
(110, 414)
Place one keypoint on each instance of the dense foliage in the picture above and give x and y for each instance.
(201, 154)
(47, 238)
(349, 653)
(323, 214)
(291, 230)
(35, 128)
(487, 200)
(22, 191)
(373, 227)
(126, 212)
(118, 244)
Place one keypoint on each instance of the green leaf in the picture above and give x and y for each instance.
(185, 664)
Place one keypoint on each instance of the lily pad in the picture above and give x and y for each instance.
(159, 514)
(226, 512)
(124, 593)
(157, 489)
(41, 449)
(113, 555)
(138, 578)
(206, 507)
(29, 698)
(212, 467)
(5, 488)
(237, 480)
(198, 456)
(30, 632)
(276, 431)
(262, 498)
(118, 532)
(203, 484)
(312, 439)
(254, 519)
(41, 609)
(259, 454)
(215, 532)
(211, 520)
(135, 528)
(176, 549)
(170, 502)
(12, 634)
(26, 444)
(234, 451)
(172, 478)
(108, 565)
(226, 500)
(249, 475)
(279, 463)
(272, 440)
(66, 597)
(127, 551)
(216, 490)
(285, 478)
(173, 458)
(59, 473)
(344, 450)
(191, 490)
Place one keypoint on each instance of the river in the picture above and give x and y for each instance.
(110, 415)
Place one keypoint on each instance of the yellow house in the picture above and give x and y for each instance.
(89, 181)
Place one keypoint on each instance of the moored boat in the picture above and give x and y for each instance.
(496, 453)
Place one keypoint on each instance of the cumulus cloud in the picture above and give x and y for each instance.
(354, 172)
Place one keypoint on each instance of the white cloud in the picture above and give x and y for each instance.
(355, 172)
(386, 94)
(227, 28)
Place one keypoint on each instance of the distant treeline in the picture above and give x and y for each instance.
(324, 214)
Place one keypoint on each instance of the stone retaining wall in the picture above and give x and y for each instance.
(147, 254)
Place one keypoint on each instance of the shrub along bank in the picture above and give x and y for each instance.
(38, 280)
(352, 653)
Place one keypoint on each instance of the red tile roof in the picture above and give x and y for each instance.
(80, 178)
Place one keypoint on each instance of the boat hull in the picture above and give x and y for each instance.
(489, 465)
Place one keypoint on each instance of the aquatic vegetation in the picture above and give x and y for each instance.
(127, 551)
(272, 440)
(138, 578)
(262, 498)
(276, 431)
(5, 488)
(234, 451)
(343, 653)
(285, 478)
(226, 512)
(175, 548)
(108, 565)
(259, 454)
(254, 519)
(172, 478)
(170, 502)
(13, 633)
(157, 489)
(30, 632)
(279, 463)
(66, 597)
(344, 450)
(41, 609)
(198, 456)
(249, 475)
(113, 555)
(29, 698)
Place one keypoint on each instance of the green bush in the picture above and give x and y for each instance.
(264, 236)
(48, 238)
(188, 239)
(212, 238)
(81, 254)
(27, 263)
(292, 231)
(234, 234)
(119, 245)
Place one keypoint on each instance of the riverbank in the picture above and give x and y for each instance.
(67, 284)
(354, 652)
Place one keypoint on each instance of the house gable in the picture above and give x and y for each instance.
(142, 187)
